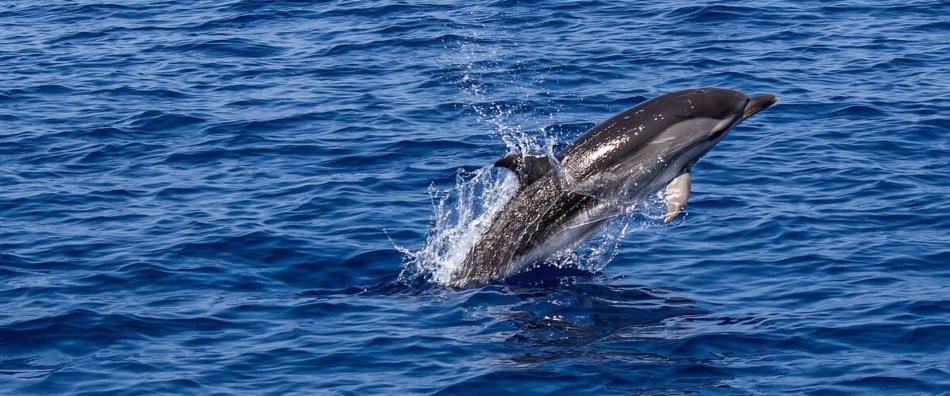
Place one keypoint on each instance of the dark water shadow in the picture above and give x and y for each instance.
(583, 313)
(567, 327)
(555, 328)
(550, 306)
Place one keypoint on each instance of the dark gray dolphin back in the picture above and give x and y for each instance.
(629, 131)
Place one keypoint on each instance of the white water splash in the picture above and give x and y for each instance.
(463, 213)
(460, 216)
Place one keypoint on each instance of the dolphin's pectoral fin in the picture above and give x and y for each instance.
(528, 167)
(677, 193)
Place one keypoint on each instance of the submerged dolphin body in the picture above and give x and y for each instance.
(565, 199)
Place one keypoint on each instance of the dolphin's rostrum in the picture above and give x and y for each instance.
(564, 199)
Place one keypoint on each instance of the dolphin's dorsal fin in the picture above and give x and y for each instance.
(529, 168)
(677, 193)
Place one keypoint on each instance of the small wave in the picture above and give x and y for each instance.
(152, 92)
(83, 36)
(390, 43)
(858, 111)
(232, 47)
(713, 13)
(154, 120)
(887, 384)
(49, 89)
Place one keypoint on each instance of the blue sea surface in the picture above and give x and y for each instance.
(224, 197)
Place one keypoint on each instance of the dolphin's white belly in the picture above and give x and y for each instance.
(611, 205)
(576, 230)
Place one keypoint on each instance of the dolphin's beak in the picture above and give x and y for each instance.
(757, 104)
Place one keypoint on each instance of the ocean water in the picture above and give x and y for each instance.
(250, 197)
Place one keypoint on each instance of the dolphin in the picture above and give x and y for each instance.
(564, 199)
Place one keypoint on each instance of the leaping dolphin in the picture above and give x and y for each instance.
(564, 199)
